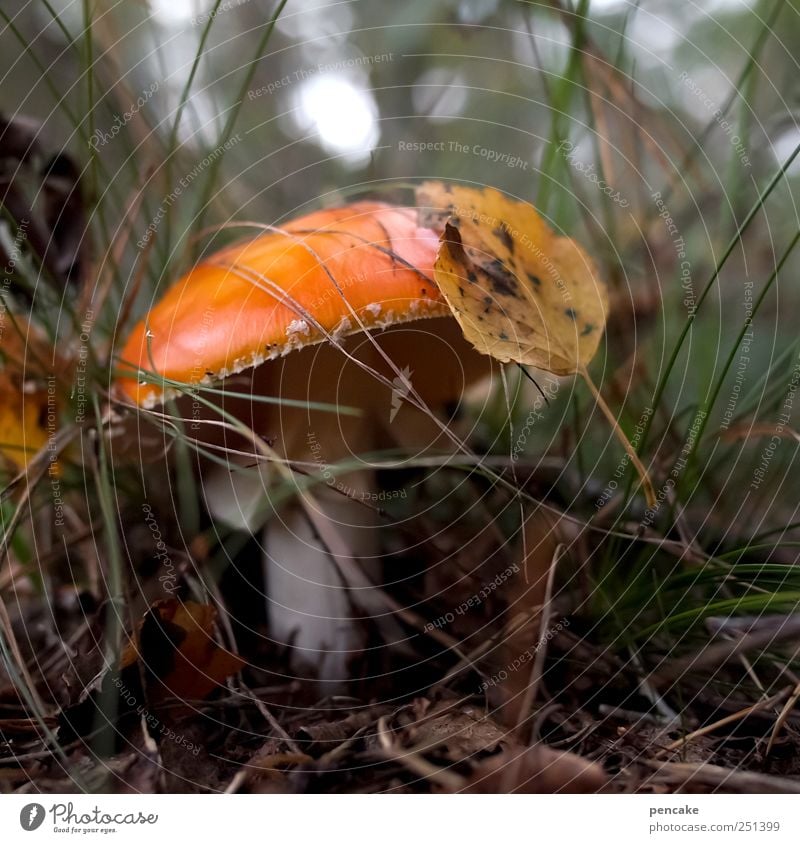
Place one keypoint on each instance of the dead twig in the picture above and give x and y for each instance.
(741, 781)
(414, 762)
(270, 718)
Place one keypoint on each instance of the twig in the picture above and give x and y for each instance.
(710, 774)
(270, 718)
(416, 763)
(265, 764)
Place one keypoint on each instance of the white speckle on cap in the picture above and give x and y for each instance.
(297, 326)
(343, 328)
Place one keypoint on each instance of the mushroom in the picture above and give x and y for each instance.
(338, 307)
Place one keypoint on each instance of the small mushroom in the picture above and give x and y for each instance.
(344, 305)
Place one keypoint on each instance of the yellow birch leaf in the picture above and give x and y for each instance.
(519, 291)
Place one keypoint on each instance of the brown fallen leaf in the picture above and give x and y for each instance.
(457, 733)
(172, 655)
(327, 734)
(176, 647)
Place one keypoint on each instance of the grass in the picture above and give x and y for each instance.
(644, 595)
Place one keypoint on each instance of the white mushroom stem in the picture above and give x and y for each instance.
(321, 548)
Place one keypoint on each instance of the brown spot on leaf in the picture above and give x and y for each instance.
(504, 235)
(502, 281)
(452, 236)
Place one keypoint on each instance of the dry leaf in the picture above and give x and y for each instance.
(327, 734)
(458, 733)
(23, 392)
(176, 646)
(174, 652)
(22, 431)
(518, 291)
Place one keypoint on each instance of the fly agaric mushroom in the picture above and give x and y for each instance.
(324, 276)
(313, 288)
(485, 264)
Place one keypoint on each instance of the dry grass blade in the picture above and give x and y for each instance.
(756, 431)
(761, 705)
(537, 668)
(783, 717)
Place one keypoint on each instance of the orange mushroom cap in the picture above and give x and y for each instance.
(323, 276)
